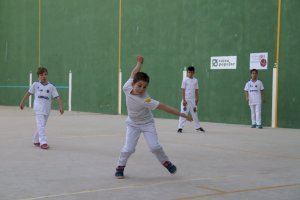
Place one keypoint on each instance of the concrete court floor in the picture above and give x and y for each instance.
(228, 162)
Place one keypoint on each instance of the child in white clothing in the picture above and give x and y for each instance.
(254, 96)
(43, 92)
(190, 97)
(140, 119)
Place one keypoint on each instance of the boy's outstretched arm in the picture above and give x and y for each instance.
(173, 111)
(21, 105)
(60, 105)
(138, 66)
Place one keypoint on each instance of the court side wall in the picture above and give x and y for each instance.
(18, 22)
(289, 70)
(175, 33)
(82, 36)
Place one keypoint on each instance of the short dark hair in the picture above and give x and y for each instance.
(141, 76)
(253, 70)
(41, 70)
(191, 68)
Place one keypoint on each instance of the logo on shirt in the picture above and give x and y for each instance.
(148, 100)
(38, 88)
(43, 97)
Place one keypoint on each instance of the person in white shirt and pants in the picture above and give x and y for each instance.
(43, 92)
(254, 96)
(140, 120)
(190, 95)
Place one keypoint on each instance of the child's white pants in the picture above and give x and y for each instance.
(256, 114)
(189, 109)
(132, 136)
(40, 135)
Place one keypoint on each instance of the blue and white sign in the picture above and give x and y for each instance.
(223, 62)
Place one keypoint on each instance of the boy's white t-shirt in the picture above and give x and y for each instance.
(138, 106)
(42, 97)
(190, 85)
(254, 90)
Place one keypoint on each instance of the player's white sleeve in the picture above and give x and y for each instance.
(127, 87)
(54, 93)
(246, 87)
(32, 88)
(150, 103)
(261, 86)
(183, 84)
(196, 86)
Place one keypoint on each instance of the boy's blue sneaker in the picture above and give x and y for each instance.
(253, 126)
(120, 172)
(259, 126)
(170, 167)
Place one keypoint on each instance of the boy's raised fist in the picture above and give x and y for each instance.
(140, 59)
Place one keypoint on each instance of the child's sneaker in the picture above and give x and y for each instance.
(253, 126)
(170, 167)
(259, 126)
(120, 172)
(179, 130)
(44, 146)
(200, 129)
(37, 144)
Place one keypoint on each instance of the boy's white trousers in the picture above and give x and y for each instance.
(132, 136)
(189, 109)
(256, 114)
(40, 135)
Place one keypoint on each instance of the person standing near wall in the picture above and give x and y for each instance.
(190, 97)
(254, 96)
(43, 92)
